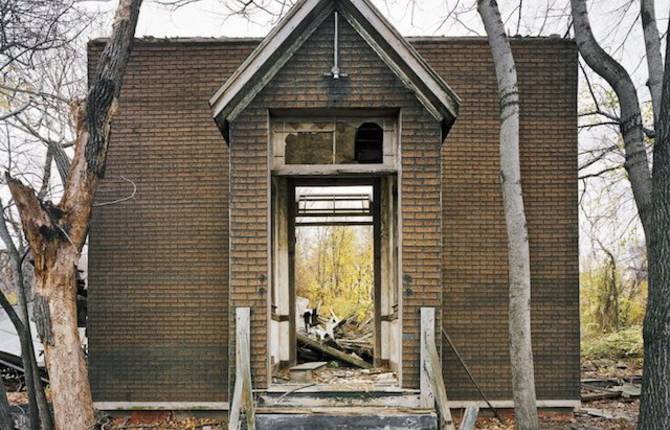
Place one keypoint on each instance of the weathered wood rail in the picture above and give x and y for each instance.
(433, 389)
(243, 398)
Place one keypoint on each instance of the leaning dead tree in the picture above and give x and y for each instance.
(521, 349)
(56, 233)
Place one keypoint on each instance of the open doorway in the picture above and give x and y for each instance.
(335, 302)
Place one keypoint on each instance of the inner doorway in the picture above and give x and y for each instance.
(334, 292)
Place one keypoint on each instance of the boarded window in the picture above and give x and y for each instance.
(345, 143)
(309, 148)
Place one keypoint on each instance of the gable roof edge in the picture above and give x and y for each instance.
(398, 54)
(274, 40)
(424, 71)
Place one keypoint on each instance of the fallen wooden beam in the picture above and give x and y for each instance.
(601, 395)
(332, 352)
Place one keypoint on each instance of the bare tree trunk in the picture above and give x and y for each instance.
(637, 163)
(652, 43)
(521, 349)
(655, 402)
(39, 408)
(6, 421)
(30, 368)
(57, 233)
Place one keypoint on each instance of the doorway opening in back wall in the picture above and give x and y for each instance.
(331, 247)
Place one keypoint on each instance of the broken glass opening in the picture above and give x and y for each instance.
(344, 142)
(333, 205)
(370, 143)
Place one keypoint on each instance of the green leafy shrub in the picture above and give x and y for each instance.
(626, 343)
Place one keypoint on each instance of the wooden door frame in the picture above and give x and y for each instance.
(325, 181)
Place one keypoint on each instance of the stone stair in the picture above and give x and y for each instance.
(345, 418)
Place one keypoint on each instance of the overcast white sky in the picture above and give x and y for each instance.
(208, 18)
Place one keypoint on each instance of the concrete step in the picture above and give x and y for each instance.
(345, 418)
(334, 396)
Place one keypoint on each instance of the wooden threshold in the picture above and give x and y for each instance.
(330, 388)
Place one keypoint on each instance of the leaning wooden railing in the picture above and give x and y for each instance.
(433, 390)
(243, 397)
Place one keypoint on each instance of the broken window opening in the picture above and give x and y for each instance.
(309, 148)
(338, 142)
(334, 208)
(369, 143)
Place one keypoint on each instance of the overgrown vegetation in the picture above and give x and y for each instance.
(612, 310)
(334, 269)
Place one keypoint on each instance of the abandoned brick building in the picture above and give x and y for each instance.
(217, 135)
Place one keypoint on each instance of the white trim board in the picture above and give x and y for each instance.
(161, 406)
(224, 406)
(509, 404)
(295, 28)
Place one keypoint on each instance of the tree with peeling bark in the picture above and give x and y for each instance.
(39, 413)
(520, 344)
(650, 191)
(56, 233)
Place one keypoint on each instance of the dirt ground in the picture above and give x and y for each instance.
(622, 413)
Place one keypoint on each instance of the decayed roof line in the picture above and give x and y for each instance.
(274, 39)
(413, 55)
(434, 84)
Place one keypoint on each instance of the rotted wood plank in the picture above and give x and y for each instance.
(431, 364)
(343, 356)
(242, 393)
(469, 418)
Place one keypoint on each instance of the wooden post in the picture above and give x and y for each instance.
(469, 418)
(427, 335)
(243, 393)
(433, 389)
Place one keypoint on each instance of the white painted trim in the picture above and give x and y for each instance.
(161, 406)
(333, 169)
(261, 54)
(435, 82)
(281, 33)
(509, 404)
(224, 406)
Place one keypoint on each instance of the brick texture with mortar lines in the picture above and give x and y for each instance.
(167, 267)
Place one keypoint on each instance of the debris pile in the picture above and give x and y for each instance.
(610, 388)
(347, 341)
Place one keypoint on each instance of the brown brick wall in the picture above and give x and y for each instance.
(475, 253)
(159, 304)
(300, 84)
(158, 298)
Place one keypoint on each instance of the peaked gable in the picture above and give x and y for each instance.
(299, 24)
